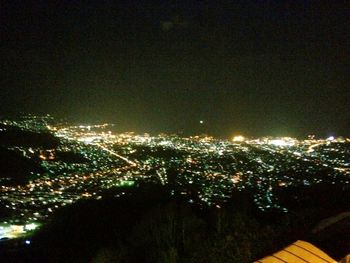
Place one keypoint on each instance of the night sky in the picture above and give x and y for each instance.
(249, 67)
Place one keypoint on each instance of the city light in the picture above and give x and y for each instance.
(30, 227)
(95, 159)
(238, 138)
(282, 142)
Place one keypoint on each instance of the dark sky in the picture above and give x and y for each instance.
(251, 67)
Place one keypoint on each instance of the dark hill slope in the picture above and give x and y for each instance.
(14, 168)
(12, 136)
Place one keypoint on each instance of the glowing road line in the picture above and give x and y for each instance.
(115, 154)
(311, 148)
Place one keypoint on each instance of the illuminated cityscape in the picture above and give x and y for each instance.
(173, 131)
(90, 161)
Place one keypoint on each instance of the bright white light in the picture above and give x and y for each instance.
(280, 142)
(330, 138)
(201, 122)
(30, 226)
(89, 139)
(11, 231)
(238, 138)
(27, 242)
(165, 143)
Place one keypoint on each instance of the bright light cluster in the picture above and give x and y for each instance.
(16, 231)
(203, 169)
(238, 138)
(282, 142)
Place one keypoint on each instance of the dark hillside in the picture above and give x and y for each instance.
(12, 136)
(16, 169)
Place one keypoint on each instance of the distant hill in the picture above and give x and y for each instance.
(13, 136)
(16, 167)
